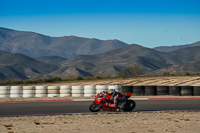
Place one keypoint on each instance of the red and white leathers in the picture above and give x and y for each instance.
(117, 98)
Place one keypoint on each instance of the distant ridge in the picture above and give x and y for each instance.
(149, 60)
(38, 45)
(173, 48)
(18, 66)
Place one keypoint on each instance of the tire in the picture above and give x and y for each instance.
(4, 92)
(4, 87)
(196, 91)
(28, 87)
(77, 95)
(15, 91)
(77, 90)
(100, 88)
(186, 90)
(40, 91)
(129, 105)
(89, 95)
(126, 89)
(99, 91)
(28, 95)
(86, 91)
(4, 96)
(95, 107)
(138, 90)
(65, 95)
(174, 90)
(150, 90)
(53, 95)
(115, 87)
(53, 91)
(53, 87)
(28, 91)
(66, 89)
(162, 90)
(89, 89)
(40, 95)
(41, 87)
(15, 95)
(16, 88)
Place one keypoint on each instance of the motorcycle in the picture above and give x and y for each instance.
(102, 100)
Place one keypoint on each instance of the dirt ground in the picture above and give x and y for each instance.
(133, 122)
(139, 81)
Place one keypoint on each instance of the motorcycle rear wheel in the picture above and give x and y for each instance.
(129, 105)
(95, 107)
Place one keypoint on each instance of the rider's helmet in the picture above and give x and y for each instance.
(111, 91)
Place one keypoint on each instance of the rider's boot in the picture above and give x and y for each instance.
(118, 109)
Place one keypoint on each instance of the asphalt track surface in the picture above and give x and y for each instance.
(71, 107)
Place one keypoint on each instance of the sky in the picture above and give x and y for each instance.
(149, 23)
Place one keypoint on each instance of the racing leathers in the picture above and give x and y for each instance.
(117, 99)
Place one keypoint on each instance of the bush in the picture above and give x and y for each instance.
(131, 71)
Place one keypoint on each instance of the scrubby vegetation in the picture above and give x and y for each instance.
(122, 75)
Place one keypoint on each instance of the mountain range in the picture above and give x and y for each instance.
(112, 62)
(37, 45)
(28, 55)
(173, 48)
(17, 66)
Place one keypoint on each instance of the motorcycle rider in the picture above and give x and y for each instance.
(116, 97)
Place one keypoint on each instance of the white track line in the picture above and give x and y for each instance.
(139, 98)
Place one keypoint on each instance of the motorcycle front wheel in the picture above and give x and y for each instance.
(95, 107)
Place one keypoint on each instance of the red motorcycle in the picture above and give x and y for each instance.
(101, 100)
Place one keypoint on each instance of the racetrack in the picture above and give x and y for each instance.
(69, 107)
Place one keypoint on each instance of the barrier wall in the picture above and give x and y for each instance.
(92, 90)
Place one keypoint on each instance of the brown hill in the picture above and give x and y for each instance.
(18, 66)
(173, 48)
(38, 45)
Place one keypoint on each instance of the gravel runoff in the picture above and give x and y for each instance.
(132, 122)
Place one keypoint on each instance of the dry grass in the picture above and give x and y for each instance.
(138, 81)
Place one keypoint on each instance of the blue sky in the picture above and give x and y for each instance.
(149, 23)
